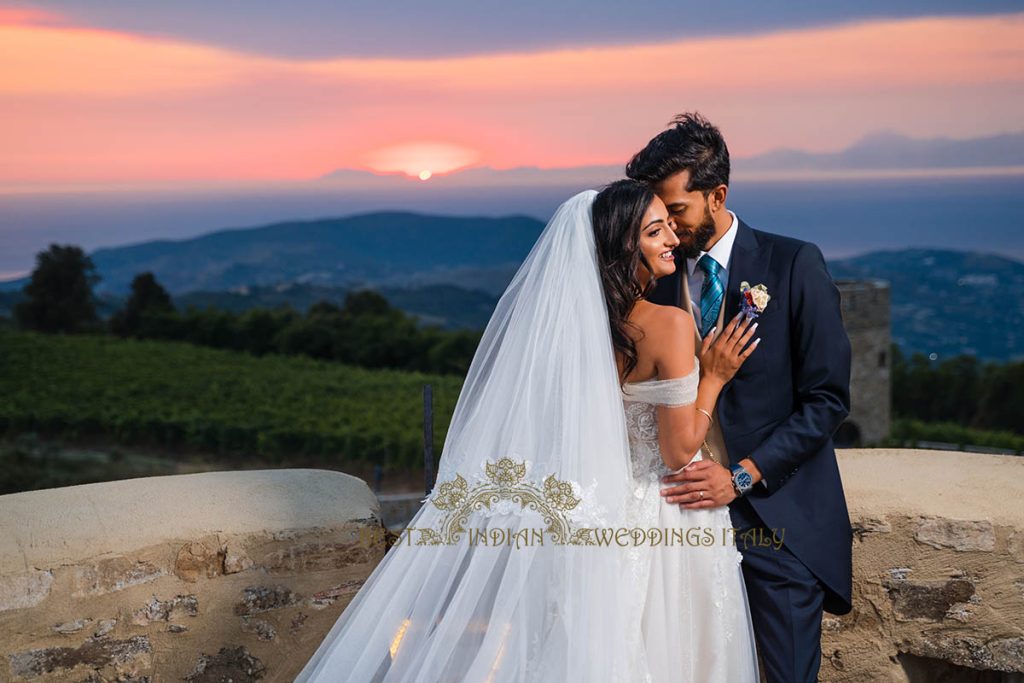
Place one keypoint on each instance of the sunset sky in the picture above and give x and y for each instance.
(105, 91)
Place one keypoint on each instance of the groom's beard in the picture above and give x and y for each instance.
(702, 234)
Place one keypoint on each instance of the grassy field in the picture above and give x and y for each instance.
(913, 431)
(185, 400)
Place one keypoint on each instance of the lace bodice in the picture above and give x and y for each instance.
(640, 400)
(716, 582)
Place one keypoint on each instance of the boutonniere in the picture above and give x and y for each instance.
(754, 299)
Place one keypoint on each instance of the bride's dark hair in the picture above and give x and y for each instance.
(617, 212)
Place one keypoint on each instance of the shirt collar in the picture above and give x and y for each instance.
(721, 251)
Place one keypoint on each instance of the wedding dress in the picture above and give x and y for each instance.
(696, 622)
(538, 451)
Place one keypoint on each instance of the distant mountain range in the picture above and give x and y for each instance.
(370, 250)
(893, 151)
(879, 152)
(451, 270)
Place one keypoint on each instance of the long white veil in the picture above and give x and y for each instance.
(537, 441)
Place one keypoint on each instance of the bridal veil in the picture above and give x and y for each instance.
(537, 441)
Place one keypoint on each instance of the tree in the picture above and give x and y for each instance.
(366, 302)
(59, 297)
(1001, 401)
(148, 299)
(259, 327)
(325, 309)
(454, 353)
(307, 336)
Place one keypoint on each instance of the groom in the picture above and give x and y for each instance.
(774, 421)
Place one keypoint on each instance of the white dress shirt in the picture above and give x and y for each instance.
(721, 251)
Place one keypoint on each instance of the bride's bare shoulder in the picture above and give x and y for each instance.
(664, 322)
(664, 337)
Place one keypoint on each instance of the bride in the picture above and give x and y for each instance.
(544, 552)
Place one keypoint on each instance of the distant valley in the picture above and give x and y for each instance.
(949, 302)
(450, 271)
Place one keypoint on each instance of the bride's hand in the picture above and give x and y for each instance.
(721, 355)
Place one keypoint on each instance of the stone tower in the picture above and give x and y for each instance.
(866, 316)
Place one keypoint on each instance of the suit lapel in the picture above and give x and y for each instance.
(749, 261)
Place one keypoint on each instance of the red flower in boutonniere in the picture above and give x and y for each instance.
(753, 299)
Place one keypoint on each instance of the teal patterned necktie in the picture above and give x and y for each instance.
(711, 294)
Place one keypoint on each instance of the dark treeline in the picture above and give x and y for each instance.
(366, 331)
(961, 390)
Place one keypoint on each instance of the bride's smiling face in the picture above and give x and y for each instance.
(657, 240)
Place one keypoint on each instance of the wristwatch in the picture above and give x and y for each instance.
(741, 479)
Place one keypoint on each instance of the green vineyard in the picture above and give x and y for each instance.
(270, 409)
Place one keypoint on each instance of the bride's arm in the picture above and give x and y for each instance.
(682, 429)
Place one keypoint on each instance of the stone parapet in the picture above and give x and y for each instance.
(240, 575)
(938, 566)
(199, 577)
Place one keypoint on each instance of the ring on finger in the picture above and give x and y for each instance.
(700, 495)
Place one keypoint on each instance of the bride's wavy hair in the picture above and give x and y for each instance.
(617, 213)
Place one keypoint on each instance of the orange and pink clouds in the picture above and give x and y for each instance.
(85, 105)
(15, 16)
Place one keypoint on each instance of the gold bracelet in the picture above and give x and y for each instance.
(708, 414)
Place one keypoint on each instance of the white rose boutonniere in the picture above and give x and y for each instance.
(753, 299)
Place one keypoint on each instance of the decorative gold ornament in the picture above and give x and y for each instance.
(505, 482)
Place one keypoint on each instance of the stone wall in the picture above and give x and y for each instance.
(938, 569)
(202, 577)
(239, 575)
(866, 312)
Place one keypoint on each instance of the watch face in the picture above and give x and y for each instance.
(744, 480)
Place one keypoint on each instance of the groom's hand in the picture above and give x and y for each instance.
(704, 475)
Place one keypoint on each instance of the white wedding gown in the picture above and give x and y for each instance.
(696, 622)
(541, 408)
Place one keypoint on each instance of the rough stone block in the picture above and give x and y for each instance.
(958, 534)
(229, 664)
(317, 556)
(264, 630)
(112, 574)
(163, 610)
(235, 560)
(258, 599)
(998, 654)
(72, 626)
(204, 557)
(1015, 546)
(928, 600)
(870, 525)
(103, 627)
(24, 590)
(94, 653)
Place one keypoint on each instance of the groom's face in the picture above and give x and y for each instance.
(695, 226)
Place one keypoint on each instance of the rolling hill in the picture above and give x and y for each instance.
(450, 271)
(379, 249)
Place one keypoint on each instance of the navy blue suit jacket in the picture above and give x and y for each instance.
(788, 398)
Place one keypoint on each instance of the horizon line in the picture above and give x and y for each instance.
(322, 182)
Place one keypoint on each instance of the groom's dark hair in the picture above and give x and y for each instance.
(691, 143)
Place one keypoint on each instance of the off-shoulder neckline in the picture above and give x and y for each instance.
(655, 380)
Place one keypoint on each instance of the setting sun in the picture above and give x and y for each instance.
(421, 159)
